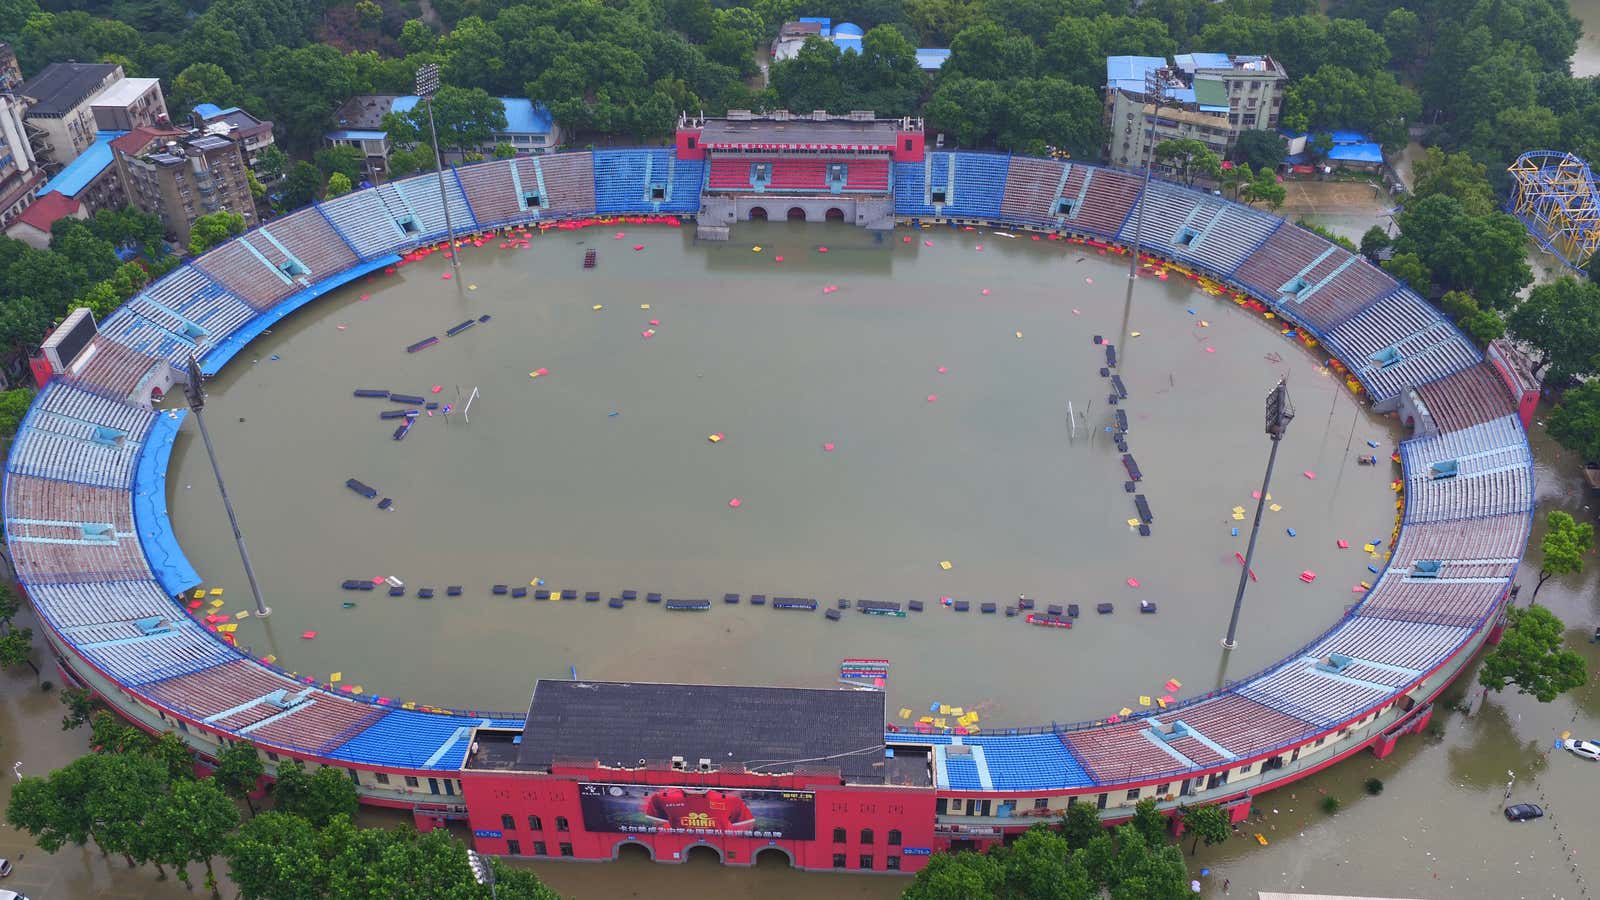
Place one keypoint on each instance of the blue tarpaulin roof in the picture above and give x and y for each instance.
(522, 116)
(1367, 153)
(1192, 61)
(207, 110)
(1338, 137)
(847, 29)
(928, 58)
(1128, 72)
(349, 134)
(86, 168)
(847, 43)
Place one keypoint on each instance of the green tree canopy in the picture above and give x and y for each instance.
(1260, 149)
(1484, 255)
(1561, 319)
(317, 796)
(1565, 542)
(1189, 158)
(1207, 823)
(465, 118)
(212, 229)
(1531, 657)
(1575, 421)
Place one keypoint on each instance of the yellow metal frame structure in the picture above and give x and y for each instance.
(1557, 200)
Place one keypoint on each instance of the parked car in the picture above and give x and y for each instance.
(11, 895)
(1520, 812)
(5, 867)
(1589, 750)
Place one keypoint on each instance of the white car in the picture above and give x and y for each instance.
(1589, 750)
(11, 895)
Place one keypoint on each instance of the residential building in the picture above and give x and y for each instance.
(32, 225)
(361, 126)
(20, 176)
(10, 72)
(93, 178)
(60, 119)
(181, 178)
(1210, 97)
(129, 103)
(251, 134)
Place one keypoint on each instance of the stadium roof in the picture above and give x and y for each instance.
(774, 729)
(81, 172)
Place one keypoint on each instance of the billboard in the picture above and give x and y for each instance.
(669, 809)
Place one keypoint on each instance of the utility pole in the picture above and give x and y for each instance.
(427, 86)
(1279, 413)
(197, 402)
(1154, 93)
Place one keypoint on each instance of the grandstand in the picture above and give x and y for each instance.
(102, 570)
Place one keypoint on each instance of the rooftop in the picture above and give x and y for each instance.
(846, 132)
(43, 212)
(1128, 73)
(125, 91)
(82, 172)
(365, 111)
(523, 116)
(773, 730)
(61, 86)
(139, 140)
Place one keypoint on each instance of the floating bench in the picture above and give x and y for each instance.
(986, 608)
(630, 595)
(425, 593)
(498, 589)
(880, 608)
(1104, 609)
(453, 590)
(1132, 467)
(793, 603)
(591, 597)
(652, 598)
(962, 606)
(615, 603)
(360, 488)
(372, 392)
(688, 605)
(519, 592)
(758, 599)
(730, 598)
(407, 399)
(1024, 602)
(832, 615)
(915, 605)
(1143, 505)
(1047, 621)
(569, 594)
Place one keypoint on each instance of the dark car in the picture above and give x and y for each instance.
(1522, 812)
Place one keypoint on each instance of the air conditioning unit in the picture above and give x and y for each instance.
(677, 763)
(705, 764)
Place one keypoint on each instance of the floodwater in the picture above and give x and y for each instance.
(1586, 61)
(599, 475)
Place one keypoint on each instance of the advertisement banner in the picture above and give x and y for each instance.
(665, 809)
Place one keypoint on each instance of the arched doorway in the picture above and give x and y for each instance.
(835, 214)
(758, 213)
(796, 214)
(774, 858)
(632, 851)
(703, 854)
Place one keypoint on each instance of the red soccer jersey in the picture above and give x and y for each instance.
(712, 809)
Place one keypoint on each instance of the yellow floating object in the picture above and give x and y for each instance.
(1144, 700)
(973, 729)
(973, 715)
(1269, 316)
(957, 711)
(409, 704)
(644, 306)
(1161, 703)
(905, 713)
(926, 720)
(336, 677)
(356, 689)
(216, 592)
(944, 709)
(939, 722)
(1370, 548)
(1019, 335)
(472, 287)
(242, 614)
(598, 307)
(1238, 517)
(217, 604)
(533, 374)
(945, 565)
(269, 658)
(1261, 838)
(1565, 735)
(1275, 507)
(1133, 523)
(229, 628)
(1125, 711)
(1204, 324)
(1135, 333)
(1238, 509)
(199, 592)
(714, 438)
(756, 249)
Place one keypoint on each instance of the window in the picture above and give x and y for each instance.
(692, 141)
(838, 860)
(894, 837)
(1066, 207)
(866, 835)
(936, 196)
(539, 849)
(892, 863)
(561, 823)
(908, 145)
(941, 806)
(838, 836)
(1100, 802)
(866, 860)
(534, 824)
(1134, 793)
(513, 848)
(1245, 769)
(354, 778)
(1319, 741)
(1041, 803)
(658, 192)
(957, 805)
(566, 849)
(272, 756)
(508, 822)
(411, 781)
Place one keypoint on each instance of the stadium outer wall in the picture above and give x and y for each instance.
(925, 819)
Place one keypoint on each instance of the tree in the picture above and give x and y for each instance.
(956, 876)
(344, 160)
(1575, 422)
(318, 797)
(1531, 657)
(16, 649)
(239, 771)
(1561, 552)
(300, 187)
(191, 823)
(1455, 175)
(203, 82)
(465, 118)
(1189, 158)
(272, 162)
(1149, 822)
(1561, 319)
(212, 229)
(503, 150)
(80, 706)
(969, 109)
(1264, 188)
(274, 856)
(13, 407)
(1081, 824)
(1207, 823)
(1373, 241)
(109, 734)
(1040, 866)
(1485, 255)
(990, 52)
(1260, 149)
(1043, 113)
(338, 185)
(1335, 97)
(123, 789)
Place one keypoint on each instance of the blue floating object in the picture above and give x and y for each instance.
(1191, 312)
(1204, 872)
(1372, 569)
(1291, 531)
(1235, 532)
(613, 414)
(933, 707)
(1372, 444)
(274, 356)
(1109, 429)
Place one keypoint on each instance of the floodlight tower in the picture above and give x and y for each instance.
(1154, 93)
(197, 401)
(1279, 413)
(427, 86)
